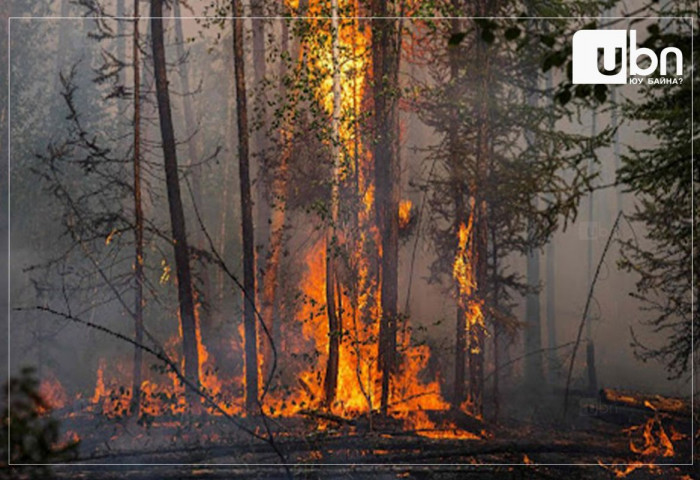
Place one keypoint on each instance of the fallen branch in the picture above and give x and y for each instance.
(585, 310)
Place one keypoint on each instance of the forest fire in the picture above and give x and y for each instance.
(358, 387)
(329, 231)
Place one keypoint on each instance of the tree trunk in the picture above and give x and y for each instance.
(477, 335)
(251, 347)
(260, 144)
(193, 151)
(497, 326)
(334, 316)
(385, 62)
(592, 220)
(550, 289)
(177, 217)
(121, 44)
(533, 321)
(224, 200)
(459, 387)
(278, 215)
(138, 222)
(484, 153)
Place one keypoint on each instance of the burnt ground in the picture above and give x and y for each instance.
(214, 448)
(352, 472)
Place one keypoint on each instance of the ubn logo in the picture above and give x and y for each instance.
(587, 45)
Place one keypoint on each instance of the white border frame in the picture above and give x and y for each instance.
(213, 465)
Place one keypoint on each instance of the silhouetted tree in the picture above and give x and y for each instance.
(177, 216)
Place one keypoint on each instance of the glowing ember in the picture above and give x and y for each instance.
(649, 441)
(52, 393)
(404, 213)
(423, 426)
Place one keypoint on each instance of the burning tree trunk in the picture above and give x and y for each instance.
(334, 316)
(177, 216)
(471, 231)
(138, 221)
(251, 347)
(459, 392)
(385, 61)
(475, 324)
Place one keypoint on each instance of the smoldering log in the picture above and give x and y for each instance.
(648, 402)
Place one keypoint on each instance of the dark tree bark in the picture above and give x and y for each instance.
(251, 347)
(177, 216)
(334, 314)
(476, 334)
(385, 62)
(533, 321)
(138, 222)
(121, 40)
(459, 393)
(265, 184)
(260, 144)
(193, 152)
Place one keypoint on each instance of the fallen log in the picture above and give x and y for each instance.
(647, 402)
(318, 414)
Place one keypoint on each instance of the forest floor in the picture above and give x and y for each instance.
(543, 446)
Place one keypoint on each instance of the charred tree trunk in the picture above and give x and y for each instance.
(177, 216)
(224, 200)
(550, 291)
(385, 62)
(459, 392)
(265, 185)
(476, 334)
(330, 383)
(121, 41)
(590, 348)
(193, 148)
(260, 145)
(138, 222)
(497, 326)
(334, 316)
(251, 346)
(533, 322)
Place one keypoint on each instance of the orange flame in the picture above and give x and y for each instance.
(52, 392)
(359, 379)
(463, 271)
(653, 443)
(405, 213)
